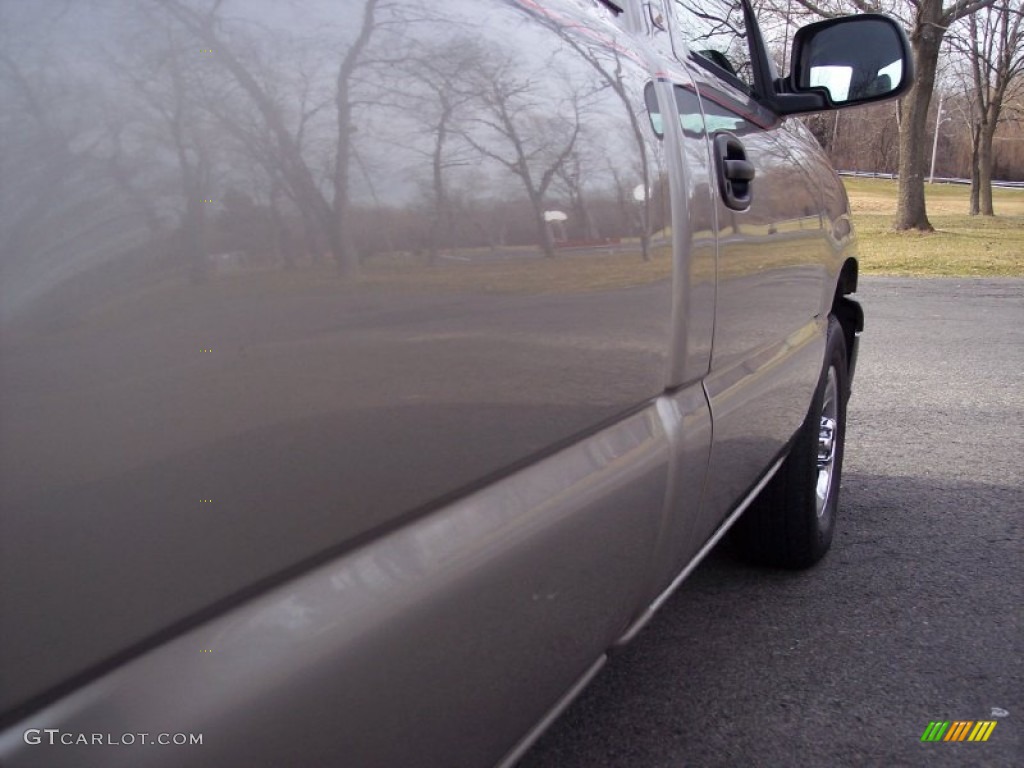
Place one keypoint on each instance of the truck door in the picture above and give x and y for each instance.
(770, 268)
(405, 291)
(681, 122)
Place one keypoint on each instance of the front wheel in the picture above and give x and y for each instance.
(790, 525)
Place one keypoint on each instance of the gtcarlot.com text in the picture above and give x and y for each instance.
(56, 736)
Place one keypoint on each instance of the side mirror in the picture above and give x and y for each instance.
(846, 62)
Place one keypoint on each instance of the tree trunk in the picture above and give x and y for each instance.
(985, 170)
(645, 231)
(975, 170)
(975, 186)
(339, 232)
(543, 230)
(590, 228)
(193, 225)
(295, 172)
(339, 235)
(283, 253)
(924, 42)
(442, 221)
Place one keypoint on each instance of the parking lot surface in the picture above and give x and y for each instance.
(914, 616)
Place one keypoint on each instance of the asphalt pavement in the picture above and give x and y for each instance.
(914, 616)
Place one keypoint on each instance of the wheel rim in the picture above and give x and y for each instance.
(827, 428)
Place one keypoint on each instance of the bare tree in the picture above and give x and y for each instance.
(254, 141)
(339, 229)
(572, 174)
(59, 165)
(993, 47)
(534, 134)
(432, 85)
(42, 130)
(607, 62)
(927, 22)
(170, 93)
(332, 216)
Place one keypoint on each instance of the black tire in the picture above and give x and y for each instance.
(787, 526)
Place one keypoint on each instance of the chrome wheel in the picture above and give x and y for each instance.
(827, 441)
(792, 522)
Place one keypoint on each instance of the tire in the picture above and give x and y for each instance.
(791, 523)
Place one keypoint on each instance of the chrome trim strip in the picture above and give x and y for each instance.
(538, 730)
(639, 624)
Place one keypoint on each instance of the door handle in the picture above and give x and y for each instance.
(735, 172)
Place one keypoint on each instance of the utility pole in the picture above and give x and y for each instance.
(935, 141)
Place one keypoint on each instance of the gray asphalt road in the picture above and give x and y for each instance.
(914, 616)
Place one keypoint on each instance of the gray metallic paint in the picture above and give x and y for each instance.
(499, 598)
(328, 407)
(446, 478)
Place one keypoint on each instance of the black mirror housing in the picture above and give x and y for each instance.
(845, 62)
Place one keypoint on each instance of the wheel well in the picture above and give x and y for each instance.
(847, 278)
(848, 311)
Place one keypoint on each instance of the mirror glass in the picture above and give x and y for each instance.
(855, 60)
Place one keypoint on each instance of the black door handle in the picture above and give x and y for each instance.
(735, 172)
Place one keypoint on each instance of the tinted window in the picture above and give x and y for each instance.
(715, 33)
(654, 111)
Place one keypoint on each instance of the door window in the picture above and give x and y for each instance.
(714, 34)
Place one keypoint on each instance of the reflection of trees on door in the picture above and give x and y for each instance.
(172, 93)
(572, 175)
(521, 124)
(606, 59)
(435, 97)
(331, 215)
(64, 158)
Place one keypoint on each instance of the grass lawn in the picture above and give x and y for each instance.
(962, 245)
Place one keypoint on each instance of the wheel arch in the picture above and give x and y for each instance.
(849, 314)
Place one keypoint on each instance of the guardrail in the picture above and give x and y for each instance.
(938, 180)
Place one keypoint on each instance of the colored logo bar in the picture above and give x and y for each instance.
(958, 730)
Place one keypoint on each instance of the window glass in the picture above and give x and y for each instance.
(654, 111)
(657, 26)
(716, 34)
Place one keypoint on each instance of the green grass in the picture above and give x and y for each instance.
(961, 245)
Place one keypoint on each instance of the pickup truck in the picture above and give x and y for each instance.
(371, 369)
